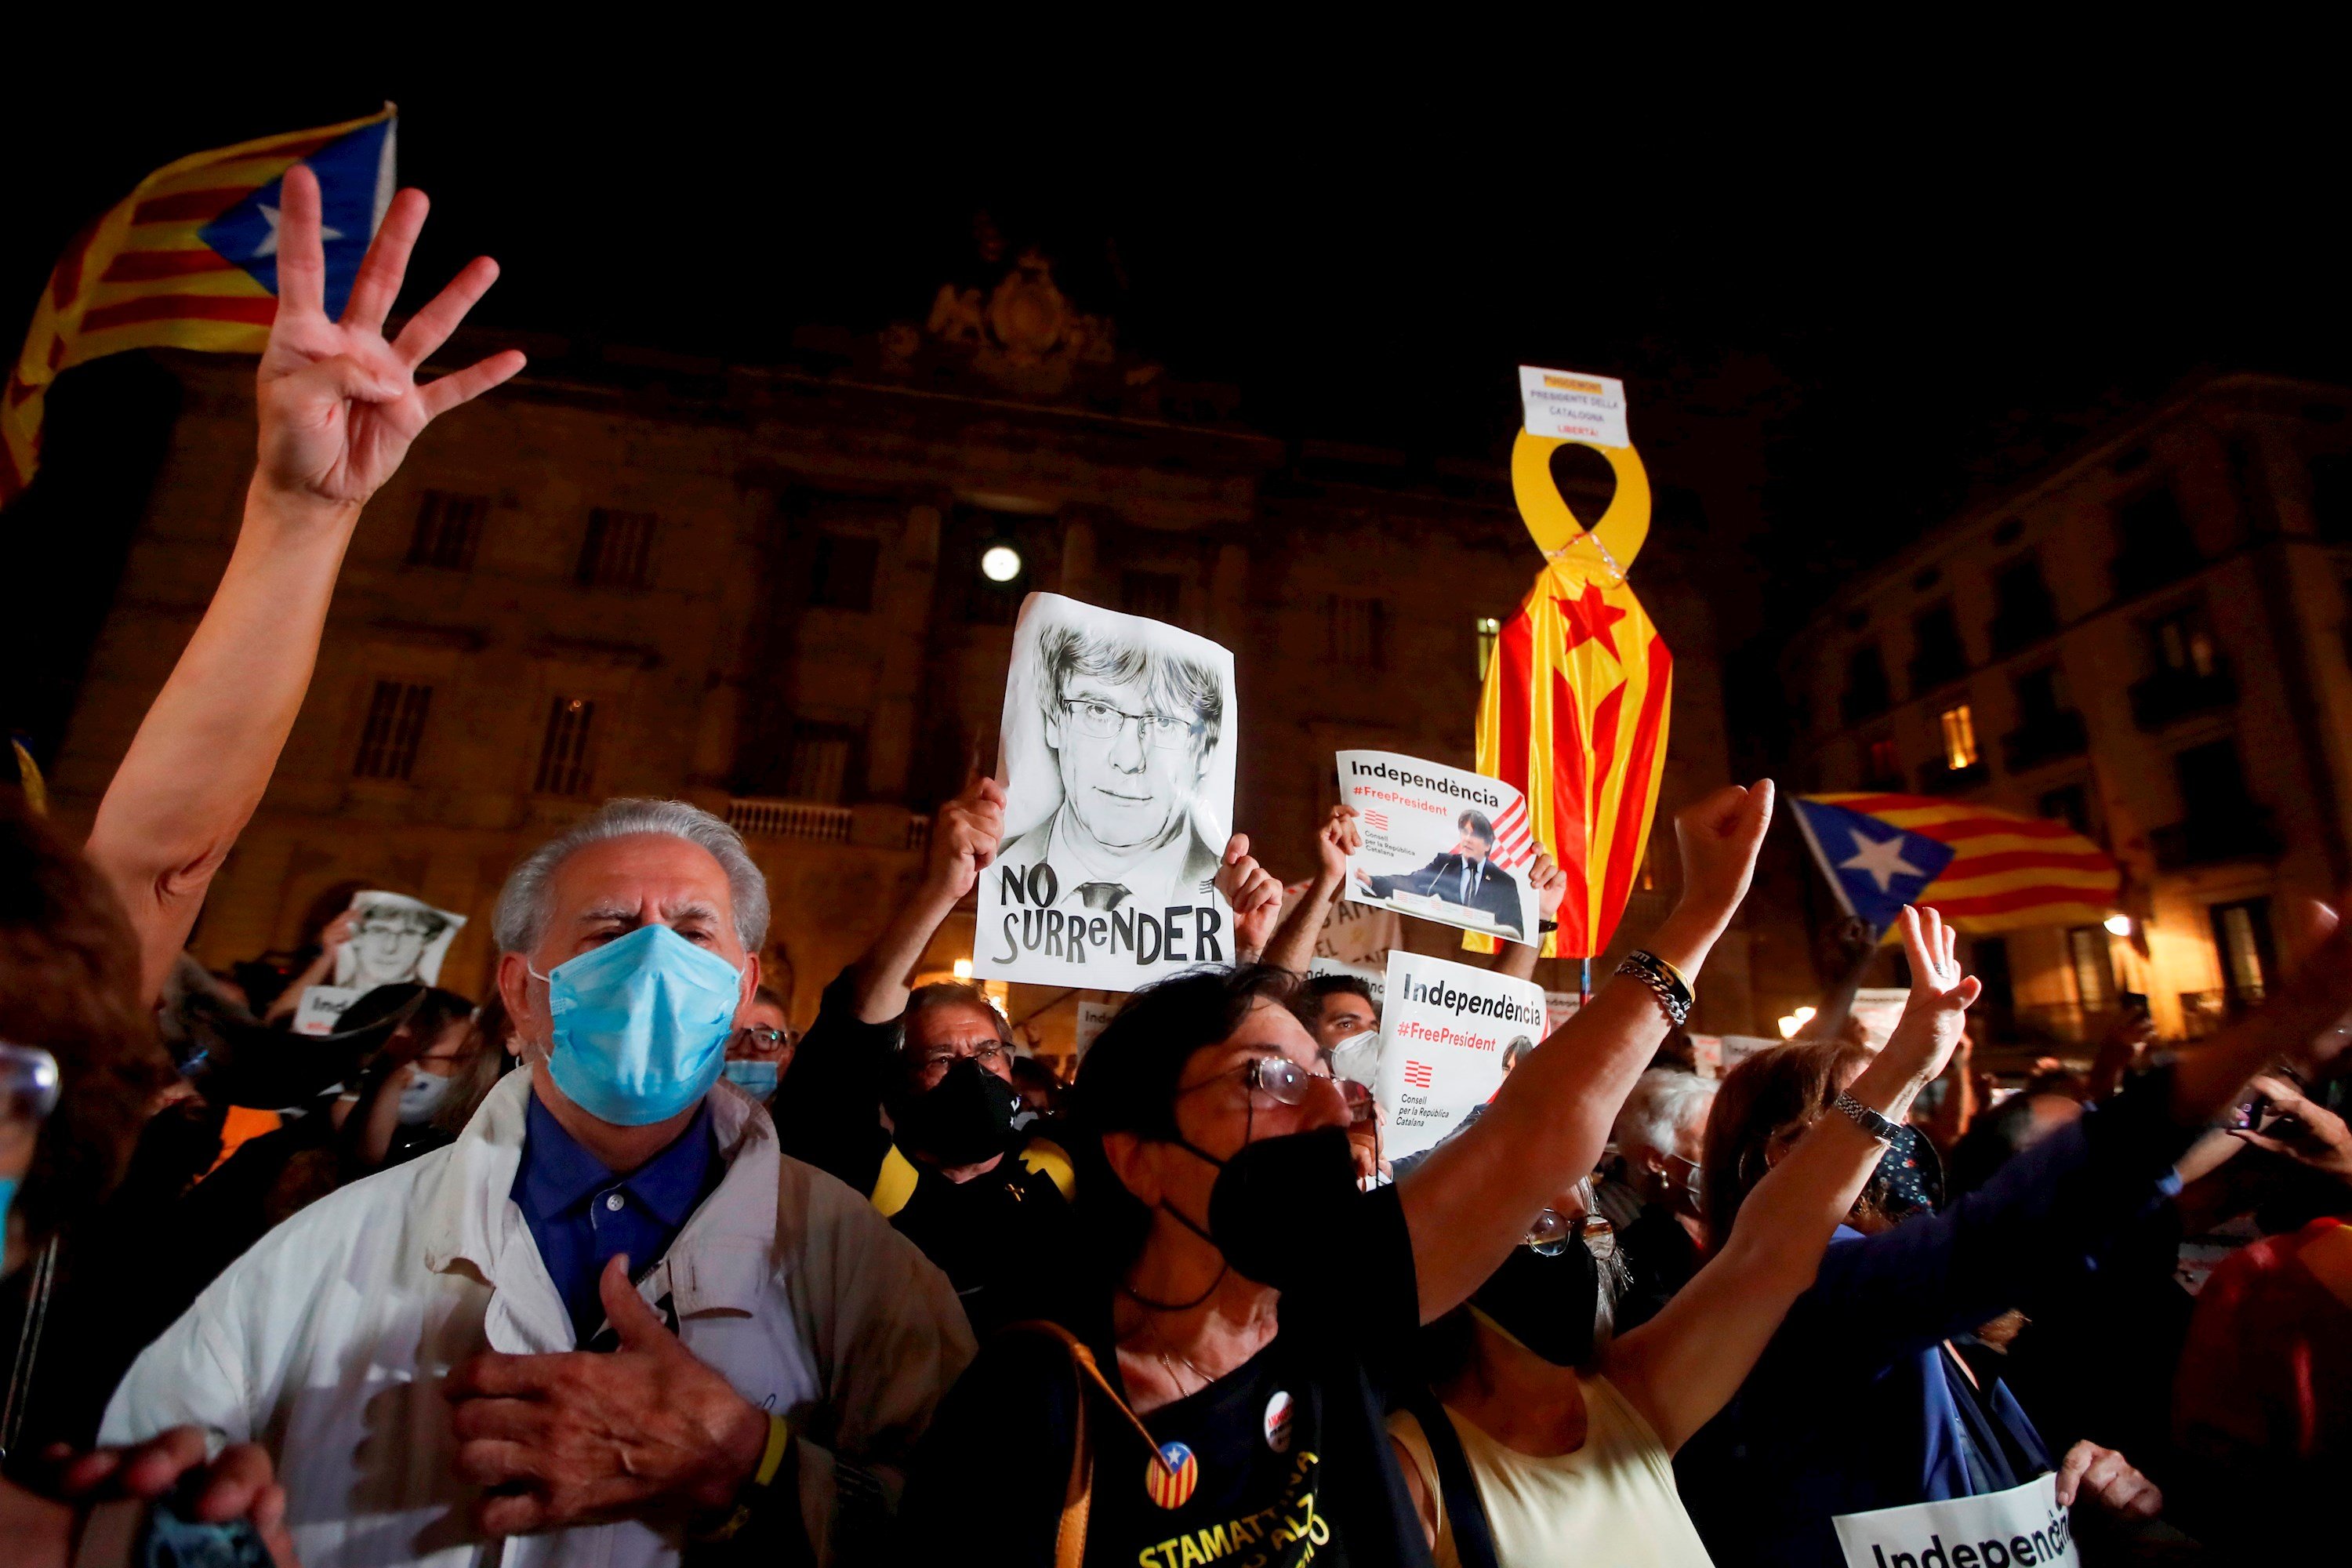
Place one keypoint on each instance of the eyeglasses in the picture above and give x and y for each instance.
(988, 1054)
(1552, 1231)
(29, 1082)
(1279, 1079)
(1102, 722)
(763, 1040)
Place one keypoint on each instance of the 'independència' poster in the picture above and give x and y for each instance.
(1118, 767)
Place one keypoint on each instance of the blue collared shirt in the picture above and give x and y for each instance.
(581, 1213)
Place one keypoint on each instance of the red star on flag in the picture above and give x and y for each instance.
(1589, 619)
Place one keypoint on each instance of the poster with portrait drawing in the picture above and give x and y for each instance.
(395, 940)
(1116, 761)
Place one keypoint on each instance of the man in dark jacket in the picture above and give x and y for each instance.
(1466, 875)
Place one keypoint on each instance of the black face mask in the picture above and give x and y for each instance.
(1547, 1304)
(963, 1119)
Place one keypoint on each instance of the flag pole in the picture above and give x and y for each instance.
(1583, 982)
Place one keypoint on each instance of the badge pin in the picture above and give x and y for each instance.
(1170, 1478)
(1278, 1420)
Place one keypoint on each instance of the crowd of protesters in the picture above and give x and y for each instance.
(608, 1266)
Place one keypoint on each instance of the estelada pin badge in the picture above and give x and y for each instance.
(1171, 1475)
(1278, 1420)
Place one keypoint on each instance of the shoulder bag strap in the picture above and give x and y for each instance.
(1077, 1497)
(1473, 1542)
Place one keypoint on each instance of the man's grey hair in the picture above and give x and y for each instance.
(523, 912)
(1170, 681)
(1663, 1103)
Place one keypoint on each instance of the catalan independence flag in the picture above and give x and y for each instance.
(1574, 716)
(1985, 870)
(189, 259)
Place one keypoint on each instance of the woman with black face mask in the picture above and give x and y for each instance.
(1859, 1414)
(1219, 1391)
(1559, 1450)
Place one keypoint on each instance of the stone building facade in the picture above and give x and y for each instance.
(2152, 641)
(758, 589)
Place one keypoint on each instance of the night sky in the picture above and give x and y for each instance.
(1838, 319)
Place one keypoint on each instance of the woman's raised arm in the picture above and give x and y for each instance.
(1473, 1198)
(339, 405)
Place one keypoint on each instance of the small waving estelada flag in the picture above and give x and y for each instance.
(189, 260)
(1578, 695)
(1983, 869)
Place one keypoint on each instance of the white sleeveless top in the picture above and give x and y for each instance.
(1611, 1504)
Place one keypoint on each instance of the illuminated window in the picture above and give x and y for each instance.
(448, 531)
(1489, 629)
(618, 551)
(2184, 642)
(1359, 632)
(395, 722)
(563, 754)
(1959, 737)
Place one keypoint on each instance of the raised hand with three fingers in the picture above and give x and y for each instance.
(1256, 894)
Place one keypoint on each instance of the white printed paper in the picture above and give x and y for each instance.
(1560, 1006)
(1738, 1048)
(395, 940)
(1117, 759)
(1569, 404)
(2020, 1528)
(1878, 1009)
(1440, 843)
(1444, 1028)
(321, 1010)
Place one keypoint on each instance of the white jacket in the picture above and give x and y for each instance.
(328, 1343)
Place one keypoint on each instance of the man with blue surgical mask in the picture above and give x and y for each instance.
(613, 1319)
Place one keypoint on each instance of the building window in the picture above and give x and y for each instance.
(2070, 804)
(2152, 542)
(818, 768)
(448, 531)
(2023, 611)
(1937, 655)
(1959, 737)
(1884, 767)
(1988, 961)
(2094, 974)
(1489, 631)
(1152, 595)
(564, 760)
(841, 573)
(618, 551)
(1358, 632)
(2212, 783)
(2041, 695)
(2183, 642)
(1865, 684)
(2241, 938)
(2331, 497)
(395, 723)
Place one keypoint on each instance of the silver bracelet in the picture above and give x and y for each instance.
(1861, 1116)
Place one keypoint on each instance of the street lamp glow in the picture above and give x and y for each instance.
(1792, 1022)
(2118, 925)
(963, 969)
(999, 563)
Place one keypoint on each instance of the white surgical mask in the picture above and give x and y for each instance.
(422, 1095)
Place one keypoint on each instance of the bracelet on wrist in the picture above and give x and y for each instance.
(1861, 1116)
(771, 1459)
(1663, 980)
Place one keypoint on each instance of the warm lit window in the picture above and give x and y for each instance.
(395, 723)
(1489, 629)
(2185, 643)
(448, 531)
(1959, 737)
(2095, 975)
(618, 551)
(563, 754)
(1359, 632)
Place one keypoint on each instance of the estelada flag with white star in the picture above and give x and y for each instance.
(189, 260)
(1984, 870)
(1578, 696)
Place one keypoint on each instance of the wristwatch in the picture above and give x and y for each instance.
(1861, 1116)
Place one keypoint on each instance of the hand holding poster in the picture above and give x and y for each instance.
(1440, 843)
(395, 940)
(1444, 1029)
(1118, 767)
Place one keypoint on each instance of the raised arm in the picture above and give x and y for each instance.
(1473, 1198)
(1292, 946)
(1518, 959)
(339, 406)
(1256, 896)
(963, 843)
(1685, 1365)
